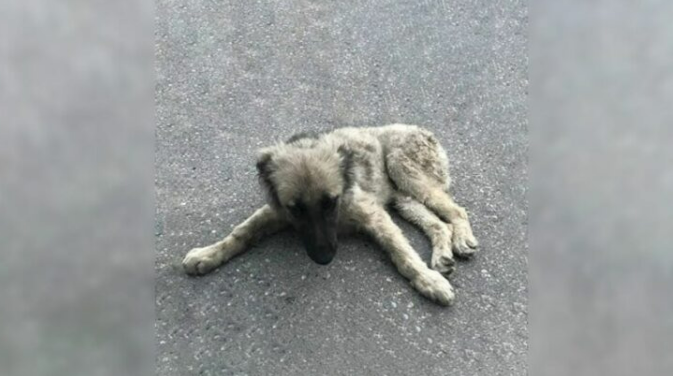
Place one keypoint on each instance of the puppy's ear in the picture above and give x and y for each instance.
(265, 169)
(346, 166)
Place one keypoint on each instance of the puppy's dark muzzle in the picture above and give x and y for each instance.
(320, 242)
(322, 256)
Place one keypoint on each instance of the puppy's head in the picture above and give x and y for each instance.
(307, 184)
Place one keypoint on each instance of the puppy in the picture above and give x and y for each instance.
(323, 185)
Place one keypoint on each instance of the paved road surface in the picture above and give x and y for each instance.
(233, 76)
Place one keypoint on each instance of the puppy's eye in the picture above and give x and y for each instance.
(297, 209)
(329, 202)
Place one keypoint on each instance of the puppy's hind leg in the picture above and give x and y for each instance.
(464, 242)
(263, 222)
(418, 165)
(436, 230)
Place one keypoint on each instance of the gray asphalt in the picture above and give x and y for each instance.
(233, 76)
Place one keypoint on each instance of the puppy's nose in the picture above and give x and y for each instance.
(322, 258)
(323, 261)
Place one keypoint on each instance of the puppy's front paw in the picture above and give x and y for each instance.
(200, 261)
(464, 243)
(434, 286)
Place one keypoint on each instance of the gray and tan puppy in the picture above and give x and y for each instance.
(342, 181)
